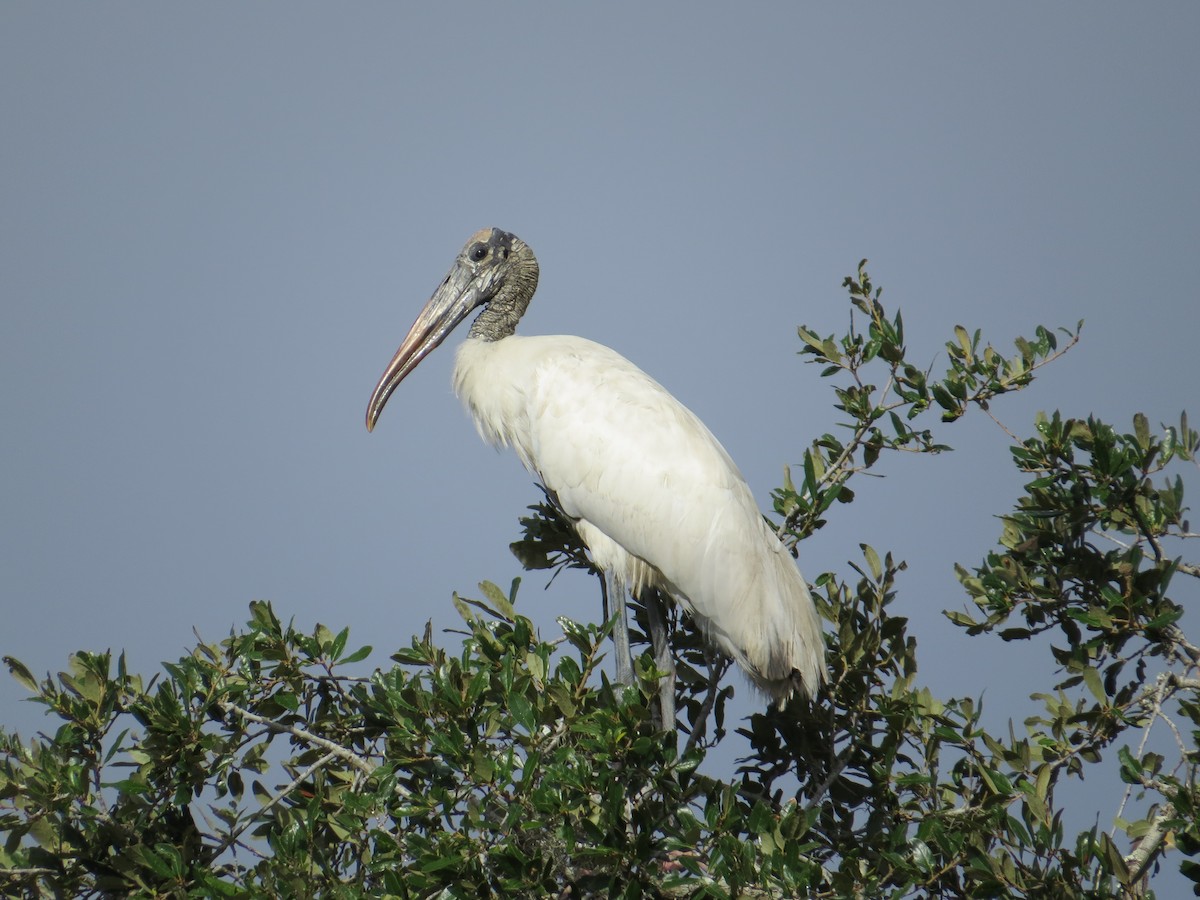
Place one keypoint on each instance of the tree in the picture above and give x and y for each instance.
(510, 765)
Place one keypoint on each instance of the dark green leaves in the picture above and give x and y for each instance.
(881, 392)
(1084, 560)
(502, 762)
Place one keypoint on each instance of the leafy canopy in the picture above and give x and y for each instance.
(507, 764)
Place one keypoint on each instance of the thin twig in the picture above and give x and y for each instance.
(793, 518)
(1003, 427)
(233, 836)
(839, 763)
(1153, 698)
(717, 667)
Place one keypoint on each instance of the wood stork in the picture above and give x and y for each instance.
(653, 495)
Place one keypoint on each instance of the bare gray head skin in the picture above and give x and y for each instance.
(496, 270)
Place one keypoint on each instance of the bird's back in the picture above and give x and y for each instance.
(652, 491)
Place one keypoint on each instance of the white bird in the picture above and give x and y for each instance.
(653, 495)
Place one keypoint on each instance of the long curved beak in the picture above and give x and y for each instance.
(450, 304)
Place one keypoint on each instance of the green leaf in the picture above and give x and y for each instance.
(153, 861)
(261, 794)
(1091, 678)
(996, 781)
(130, 786)
(522, 712)
(323, 636)
(264, 616)
(18, 671)
(959, 618)
(922, 857)
(943, 398)
(1141, 428)
(339, 644)
(357, 656)
(811, 339)
(1131, 769)
(1191, 871)
(872, 559)
(1113, 858)
(500, 605)
(964, 341)
(537, 668)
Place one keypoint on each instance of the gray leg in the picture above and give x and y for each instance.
(656, 614)
(614, 603)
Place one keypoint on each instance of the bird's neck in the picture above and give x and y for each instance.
(494, 323)
(499, 318)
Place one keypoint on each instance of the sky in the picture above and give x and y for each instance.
(217, 223)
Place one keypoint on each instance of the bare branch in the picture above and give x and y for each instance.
(1188, 569)
(348, 756)
(1003, 427)
(1141, 857)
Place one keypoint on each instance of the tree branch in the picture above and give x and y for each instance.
(233, 836)
(1188, 569)
(348, 756)
(1139, 860)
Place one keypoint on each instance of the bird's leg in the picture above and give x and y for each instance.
(656, 616)
(614, 602)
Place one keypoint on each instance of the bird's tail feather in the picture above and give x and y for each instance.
(772, 629)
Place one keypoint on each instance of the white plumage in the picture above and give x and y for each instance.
(653, 495)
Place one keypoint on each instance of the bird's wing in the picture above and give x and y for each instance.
(645, 478)
(624, 455)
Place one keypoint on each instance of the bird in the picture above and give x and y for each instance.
(652, 494)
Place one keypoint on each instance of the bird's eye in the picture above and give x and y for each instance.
(479, 252)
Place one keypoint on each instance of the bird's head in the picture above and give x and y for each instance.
(495, 270)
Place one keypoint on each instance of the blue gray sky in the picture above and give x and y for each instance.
(218, 223)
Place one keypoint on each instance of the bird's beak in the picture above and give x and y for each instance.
(460, 293)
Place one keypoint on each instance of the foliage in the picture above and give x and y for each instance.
(262, 765)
